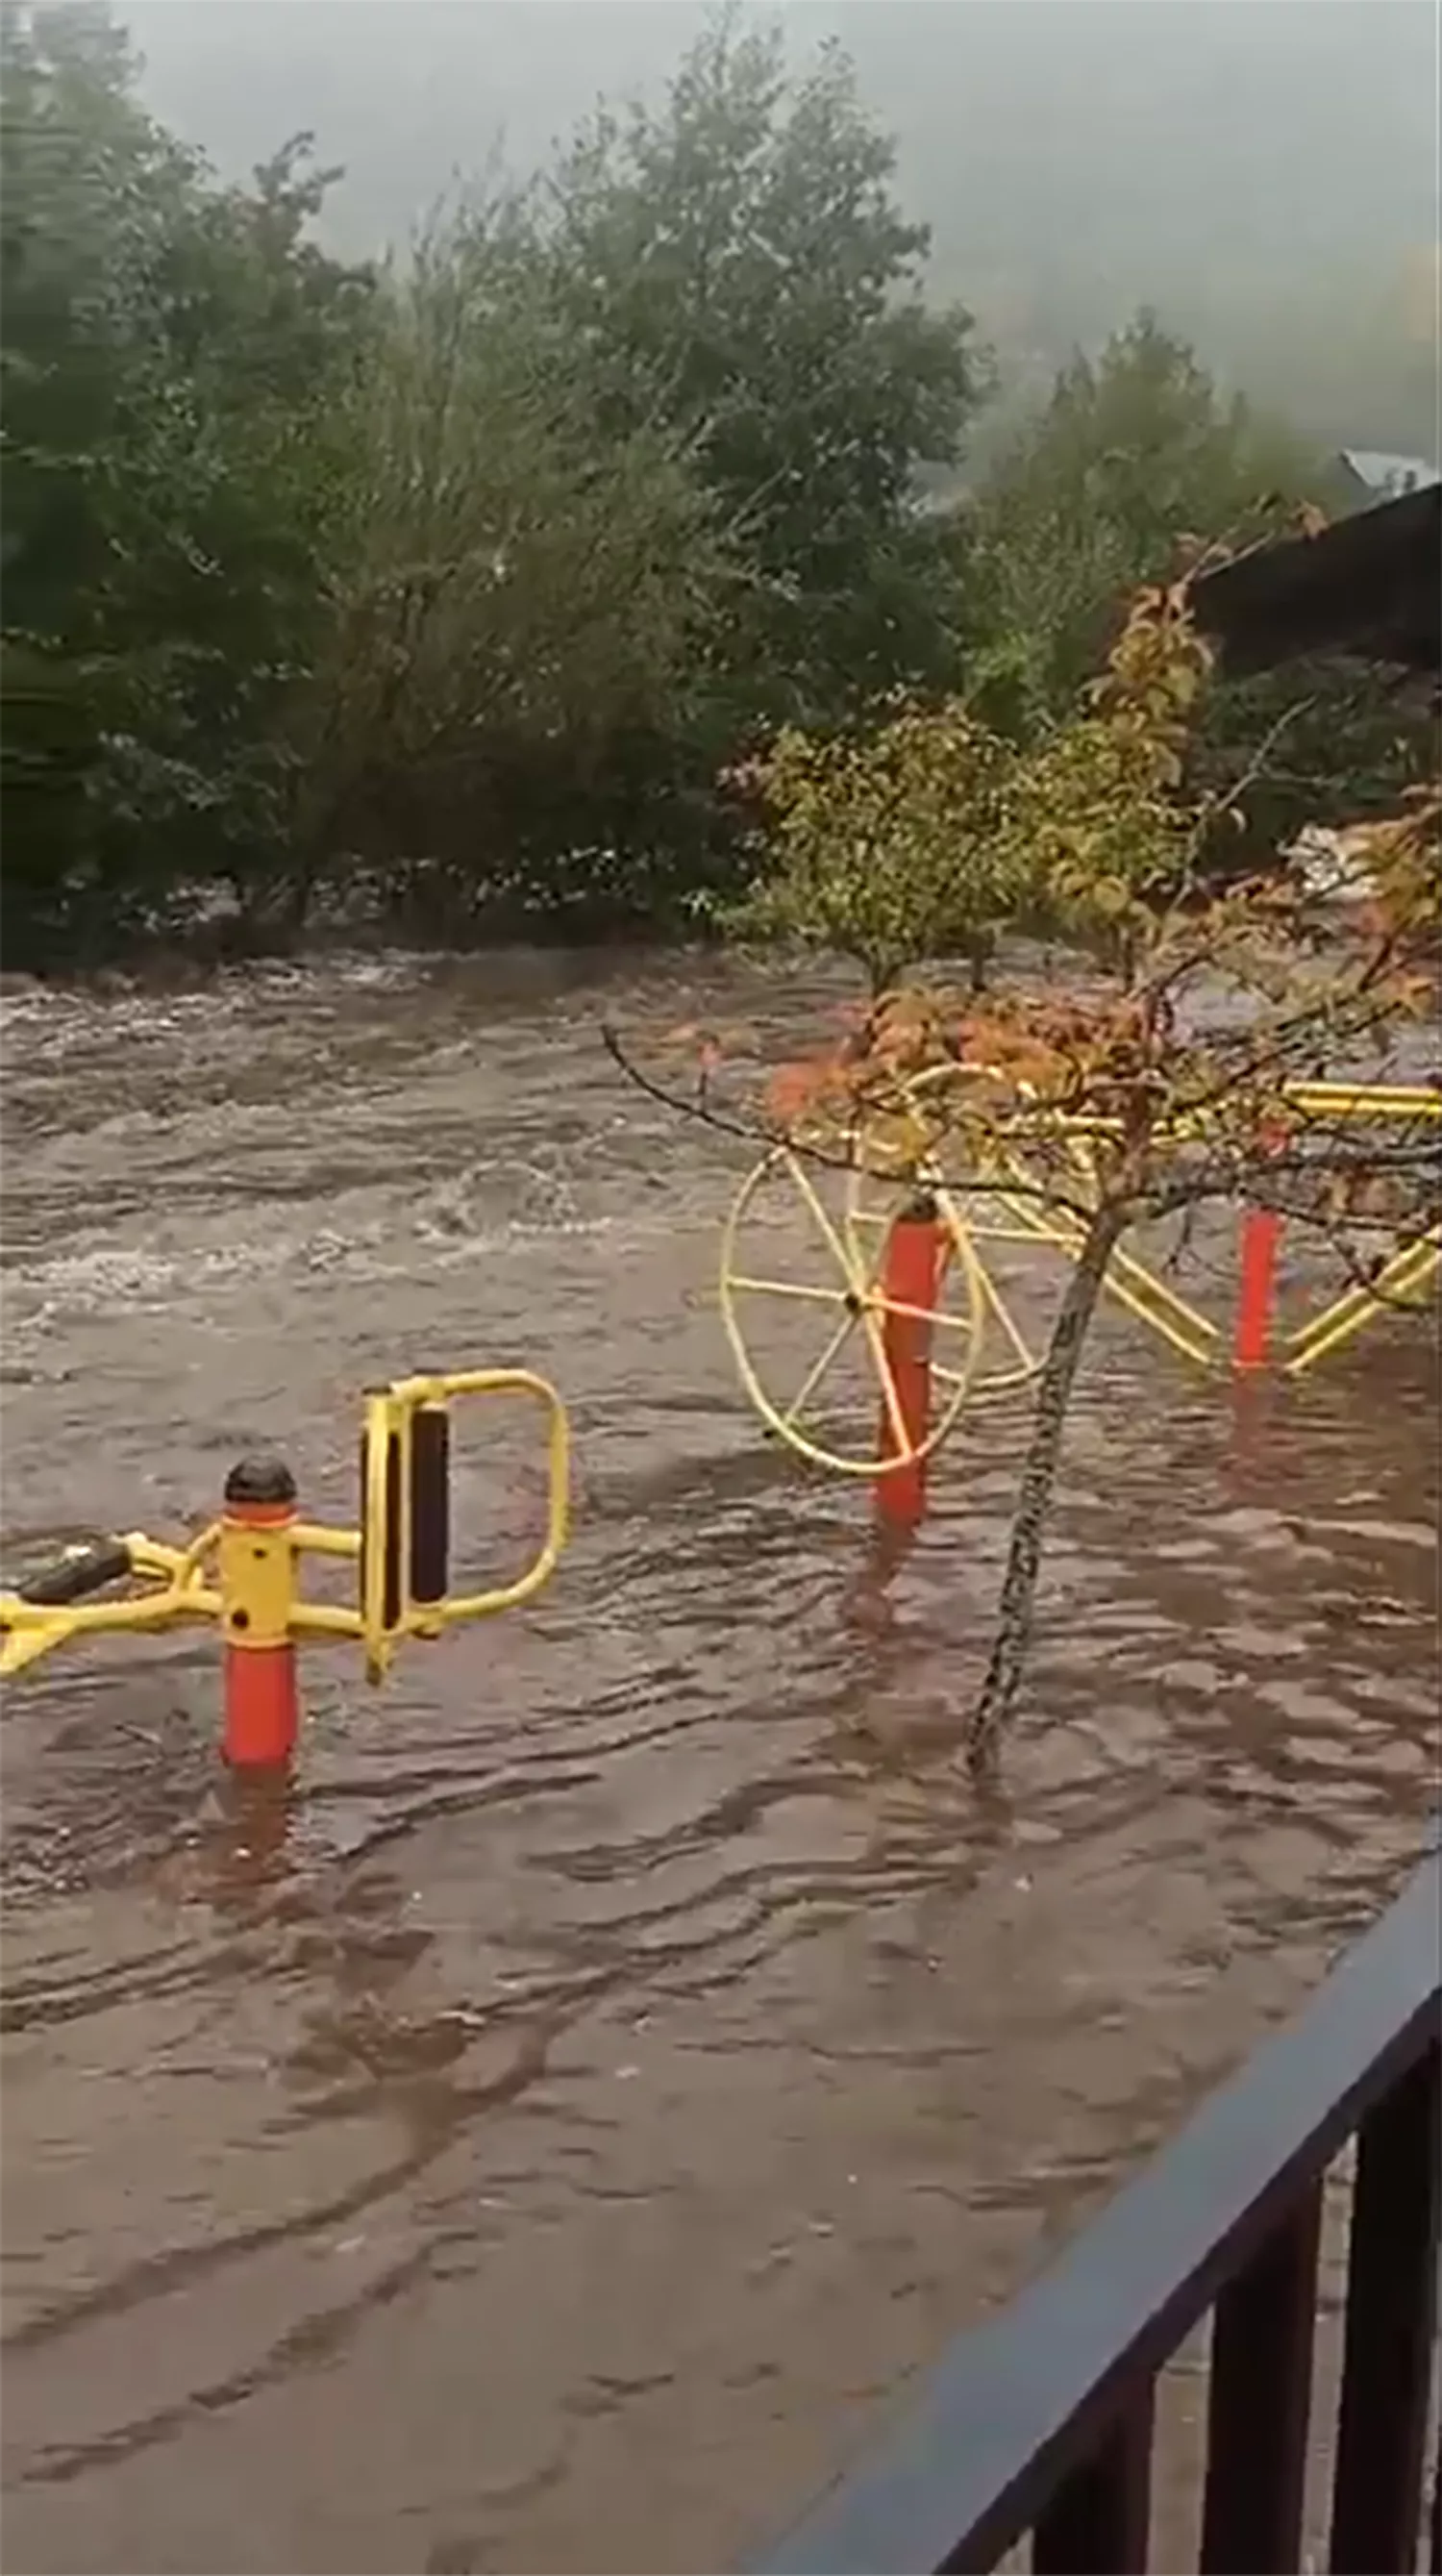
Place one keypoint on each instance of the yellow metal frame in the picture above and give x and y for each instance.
(191, 1584)
(1398, 1282)
(1011, 1188)
(1412, 1266)
(862, 1302)
(1331, 1100)
(390, 1414)
(1128, 1282)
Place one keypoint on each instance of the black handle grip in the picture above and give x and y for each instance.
(82, 1570)
(430, 1504)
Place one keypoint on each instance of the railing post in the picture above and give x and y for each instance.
(1098, 2522)
(1040, 2419)
(1391, 2320)
(1259, 2402)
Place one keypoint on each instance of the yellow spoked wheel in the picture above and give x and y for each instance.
(843, 1314)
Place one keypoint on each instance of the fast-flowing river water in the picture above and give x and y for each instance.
(546, 2138)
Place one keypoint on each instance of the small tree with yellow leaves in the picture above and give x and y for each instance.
(887, 847)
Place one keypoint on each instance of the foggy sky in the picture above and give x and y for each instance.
(1243, 163)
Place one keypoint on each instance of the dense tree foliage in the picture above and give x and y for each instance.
(512, 707)
(169, 349)
(459, 592)
(1132, 452)
(738, 268)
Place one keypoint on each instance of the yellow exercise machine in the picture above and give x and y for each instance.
(976, 1349)
(242, 1572)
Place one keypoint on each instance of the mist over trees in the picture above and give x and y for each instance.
(1265, 176)
(452, 588)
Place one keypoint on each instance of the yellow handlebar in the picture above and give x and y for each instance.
(394, 1485)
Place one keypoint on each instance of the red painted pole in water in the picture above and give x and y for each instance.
(910, 1277)
(257, 1584)
(1261, 1243)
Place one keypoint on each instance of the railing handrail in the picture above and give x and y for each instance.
(1015, 2401)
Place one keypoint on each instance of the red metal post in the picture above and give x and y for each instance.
(1258, 1251)
(910, 1278)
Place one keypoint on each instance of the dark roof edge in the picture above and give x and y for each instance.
(1370, 584)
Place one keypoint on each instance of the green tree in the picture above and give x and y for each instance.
(737, 268)
(1136, 464)
(87, 180)
(169, 360)
(1133, 454)
(459, 588)
(513, 692)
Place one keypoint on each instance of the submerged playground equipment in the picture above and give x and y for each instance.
(903, 1266)
(242, 1573)
(905, 1257)
(917, 1281)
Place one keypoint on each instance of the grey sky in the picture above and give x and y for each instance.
(1319, 110)
(1254, 166)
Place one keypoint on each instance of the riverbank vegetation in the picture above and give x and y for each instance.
(459, 593)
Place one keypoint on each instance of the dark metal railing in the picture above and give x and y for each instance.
(1040, 2422)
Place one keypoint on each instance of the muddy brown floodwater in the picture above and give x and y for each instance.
(546, 2141)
